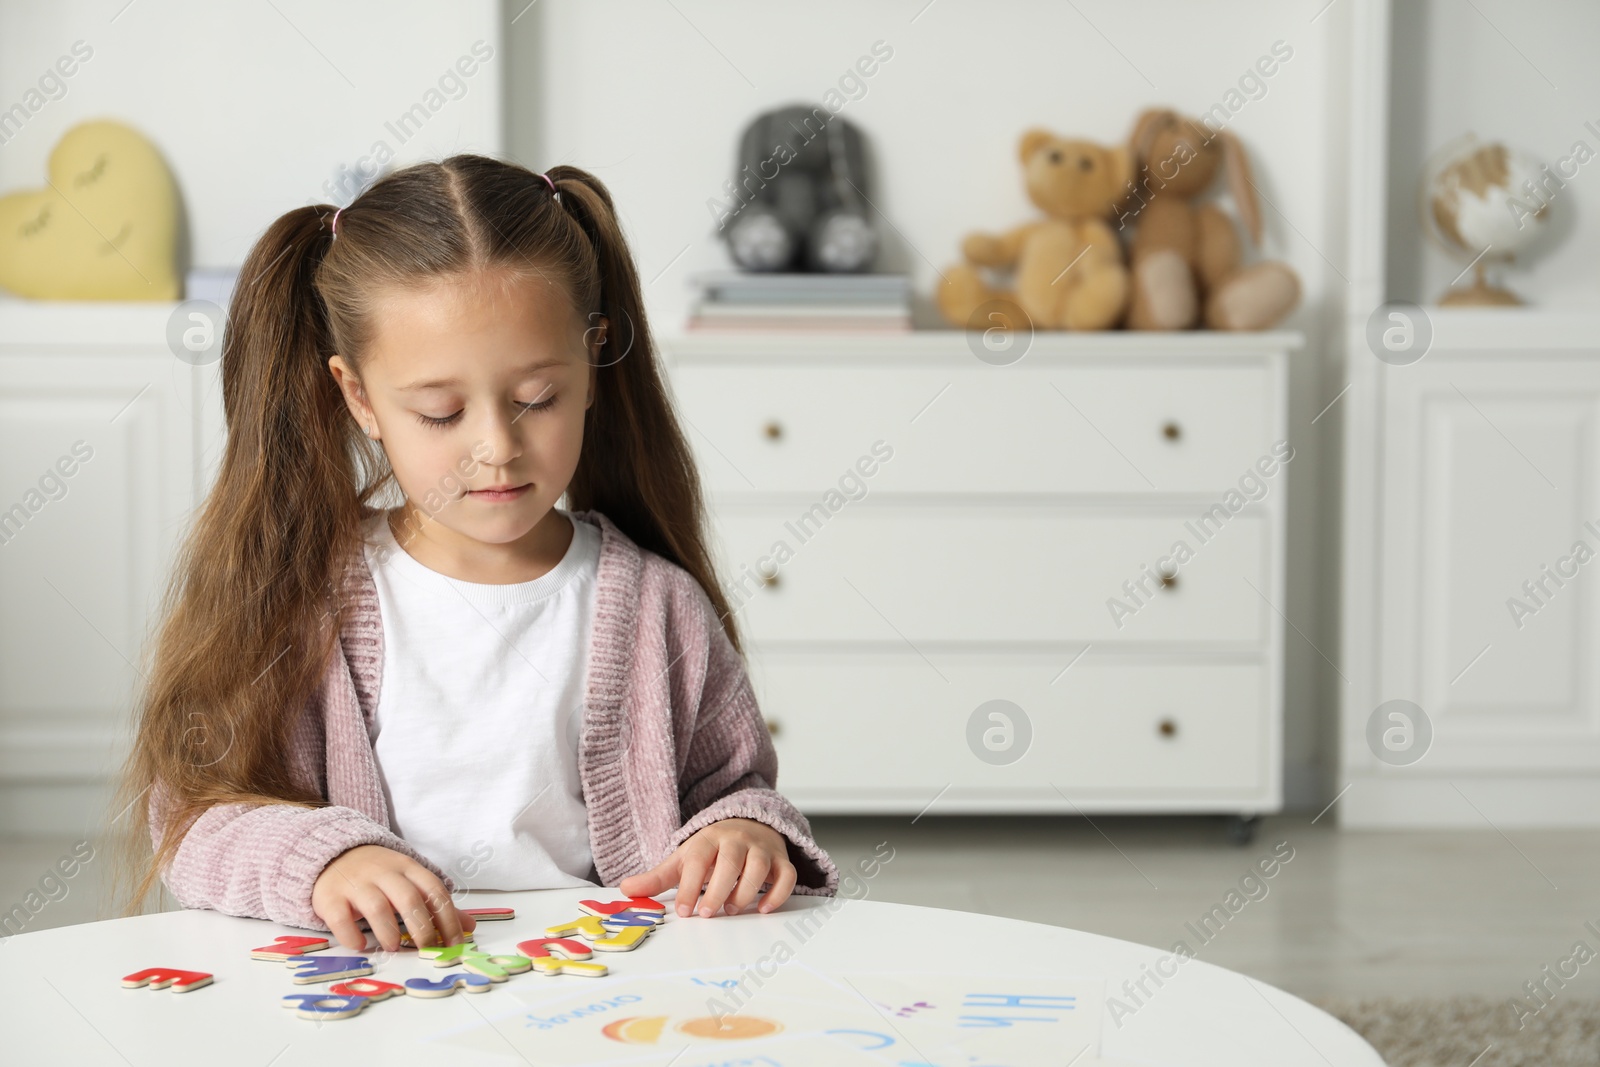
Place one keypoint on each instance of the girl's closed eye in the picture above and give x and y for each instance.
(446, 420)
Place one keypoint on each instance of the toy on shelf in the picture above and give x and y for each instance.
(1484, 203)
(811, 212)
(1070, 272)
(103, 228)
(1185, 256)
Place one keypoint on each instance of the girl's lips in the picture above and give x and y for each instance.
(492, 496)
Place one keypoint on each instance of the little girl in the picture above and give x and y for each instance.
(354, 712)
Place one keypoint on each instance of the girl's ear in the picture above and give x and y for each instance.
(594, 338)
(355, 397)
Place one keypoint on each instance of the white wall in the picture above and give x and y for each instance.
(1522, 73)
(652, 97)
(254, 106)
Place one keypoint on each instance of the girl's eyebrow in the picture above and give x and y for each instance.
(443, 383)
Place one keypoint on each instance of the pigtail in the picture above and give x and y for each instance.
(636, 465)
(248, 620)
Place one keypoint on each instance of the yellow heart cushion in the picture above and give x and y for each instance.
(104, 229)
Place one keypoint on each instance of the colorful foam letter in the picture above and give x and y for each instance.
(497, 967)
(544, 947)
(586, 926)
(161, 977)
(555, 965)
(647, 904)
(444, 987)
(624, 919)
(322, 1006)
(284, 947)
(446, 955)
(328, 968)
(371, 988)
(625, 940)
(482, 914)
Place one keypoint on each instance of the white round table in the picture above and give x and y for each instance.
(831, 969)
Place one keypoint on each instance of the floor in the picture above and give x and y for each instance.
(1345, 914)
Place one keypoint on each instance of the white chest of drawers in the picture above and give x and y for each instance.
(910, 534)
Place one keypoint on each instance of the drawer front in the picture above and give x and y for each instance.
(1068, 429)
(939, 573)
(886, 724)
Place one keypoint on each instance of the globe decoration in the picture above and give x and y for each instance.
(1483, 203)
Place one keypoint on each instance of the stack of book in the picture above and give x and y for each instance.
(735, 300)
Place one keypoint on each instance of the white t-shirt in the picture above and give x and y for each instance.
(476, 728)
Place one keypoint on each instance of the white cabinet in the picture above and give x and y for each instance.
(1468, 632)
(1481, 577)
(909, 535)
(99, 434)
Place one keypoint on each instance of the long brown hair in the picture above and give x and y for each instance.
(252, 612)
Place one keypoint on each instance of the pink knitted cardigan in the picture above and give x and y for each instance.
(671, 741)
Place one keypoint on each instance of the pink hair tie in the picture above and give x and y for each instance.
(552, 186)
(335, 226)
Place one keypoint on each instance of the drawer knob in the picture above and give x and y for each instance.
(772, 727)
(1171, 430)
(773, 429)
(1167, 728)
(770, 580)
(1169, 581)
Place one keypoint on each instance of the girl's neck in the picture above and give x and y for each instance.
(465, 559)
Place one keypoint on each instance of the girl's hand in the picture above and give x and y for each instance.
(375, 883)
(744, 851)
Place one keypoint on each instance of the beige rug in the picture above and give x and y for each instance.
(1474, 1032)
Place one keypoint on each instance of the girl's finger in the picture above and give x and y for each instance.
(445, 919)
(783, 879)
(730, 861)
(693, 876)
(756, 864)
(374, 905)
(408, 900)
(342, 925)
(657, 879)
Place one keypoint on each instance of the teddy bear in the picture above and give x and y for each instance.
(1070, 270)
(1185, 257)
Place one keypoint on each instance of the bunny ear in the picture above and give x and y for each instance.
(1241, 186)
(1144, 131)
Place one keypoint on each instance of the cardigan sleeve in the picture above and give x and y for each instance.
(262, 860)
(731, 767)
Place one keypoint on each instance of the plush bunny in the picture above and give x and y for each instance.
(1069, 268)
(1185, 257)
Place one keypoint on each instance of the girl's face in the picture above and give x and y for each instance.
(475, 384)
